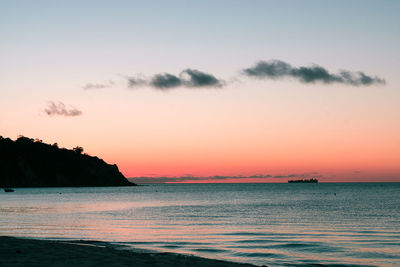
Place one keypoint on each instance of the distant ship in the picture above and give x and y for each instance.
(304, 181)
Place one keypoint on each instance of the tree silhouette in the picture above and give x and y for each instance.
(78, 149)
(29, 162)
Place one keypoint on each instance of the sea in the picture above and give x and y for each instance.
(348, 224)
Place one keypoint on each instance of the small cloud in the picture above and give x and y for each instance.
(195, 78)
(136, 81)
(165, 81)
(59, 109)
(107, 84)
(271, 69)
(277, 69)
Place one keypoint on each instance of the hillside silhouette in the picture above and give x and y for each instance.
(28, 162)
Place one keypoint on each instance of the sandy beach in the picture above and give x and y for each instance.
(31, 252)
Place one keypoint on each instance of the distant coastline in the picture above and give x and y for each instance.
(28, 162)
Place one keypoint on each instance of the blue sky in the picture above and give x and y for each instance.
(206, 32)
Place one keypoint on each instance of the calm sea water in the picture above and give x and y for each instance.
(271, 224)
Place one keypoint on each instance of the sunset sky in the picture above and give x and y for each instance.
(205, 88)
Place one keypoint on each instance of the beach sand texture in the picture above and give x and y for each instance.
(31, 252)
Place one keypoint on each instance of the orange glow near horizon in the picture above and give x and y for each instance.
(155, 134)
(342, 164)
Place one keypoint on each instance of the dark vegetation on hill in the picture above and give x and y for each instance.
(29, 162)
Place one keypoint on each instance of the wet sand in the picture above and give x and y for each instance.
(32, 252)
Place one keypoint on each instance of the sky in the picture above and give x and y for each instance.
(209, 91)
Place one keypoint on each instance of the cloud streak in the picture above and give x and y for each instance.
(90, 86)
(164, 179)
(277, 69)
(59, 109)
(189, 78)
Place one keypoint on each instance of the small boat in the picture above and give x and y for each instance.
(8, 190)
(304, 181)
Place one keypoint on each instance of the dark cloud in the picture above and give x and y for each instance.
(89, 86)
(276, 69)
(59, 109)
(271, 69)
(187, 78)
(165, 81)
(195, 78)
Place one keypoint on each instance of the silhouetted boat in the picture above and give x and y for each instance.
(8, 190)
(304, 181)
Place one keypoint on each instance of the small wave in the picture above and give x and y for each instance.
(374, 255)
(309, 247)
(314, 263)
(295, 245)
(171, 246)
(244, 234)
(291, 247)
(259, 241)
(258, 255)
(210, 250)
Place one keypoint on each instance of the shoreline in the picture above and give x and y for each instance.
(21, 251)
